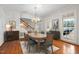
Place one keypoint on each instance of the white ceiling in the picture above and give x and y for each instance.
(42, 11)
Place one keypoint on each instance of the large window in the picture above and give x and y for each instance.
(68, 25)
(69, 22)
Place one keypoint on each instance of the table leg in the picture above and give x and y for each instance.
(38, 46)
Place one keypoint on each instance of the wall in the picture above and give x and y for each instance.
(13, 15)
(77, 24)
(2, 25)
(26, 15)
(58, 14)
(5, 16)
(44, 25)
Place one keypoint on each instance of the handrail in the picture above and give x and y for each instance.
(27, 24)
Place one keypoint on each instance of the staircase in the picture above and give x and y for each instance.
(27, 24)
(24, 27)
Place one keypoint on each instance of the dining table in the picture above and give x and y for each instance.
(38, 37)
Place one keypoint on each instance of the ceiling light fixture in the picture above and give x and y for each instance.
(35, 18)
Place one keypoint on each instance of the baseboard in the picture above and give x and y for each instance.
(69, 42)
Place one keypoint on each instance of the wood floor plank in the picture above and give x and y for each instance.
(11, 47)
(66, 48)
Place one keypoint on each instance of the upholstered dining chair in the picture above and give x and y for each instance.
(48, 43)
(31, 43)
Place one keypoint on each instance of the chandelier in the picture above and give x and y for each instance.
(35, 18)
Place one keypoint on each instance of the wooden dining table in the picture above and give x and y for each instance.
(38, 37)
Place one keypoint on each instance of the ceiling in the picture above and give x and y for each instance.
(42, 10)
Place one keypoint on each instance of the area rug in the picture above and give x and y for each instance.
(25, 50)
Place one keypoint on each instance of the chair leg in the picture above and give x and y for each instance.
(52, 49)
(45, 49)
(28, 47)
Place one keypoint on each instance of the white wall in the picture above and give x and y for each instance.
(58, 14)
(13, 15)
(26, 15)
(2, 25)
(77, 24)
(5, 16)
(44, 25)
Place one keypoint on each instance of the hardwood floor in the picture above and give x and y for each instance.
(66, 48)
(13, 47)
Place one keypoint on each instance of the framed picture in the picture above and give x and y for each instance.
(55, 24)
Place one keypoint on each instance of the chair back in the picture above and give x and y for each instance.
(26, 37)
(50, 37)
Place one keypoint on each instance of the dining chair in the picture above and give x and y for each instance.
(42, 32)
(48, 43)
(26, 37)
(31, 43)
